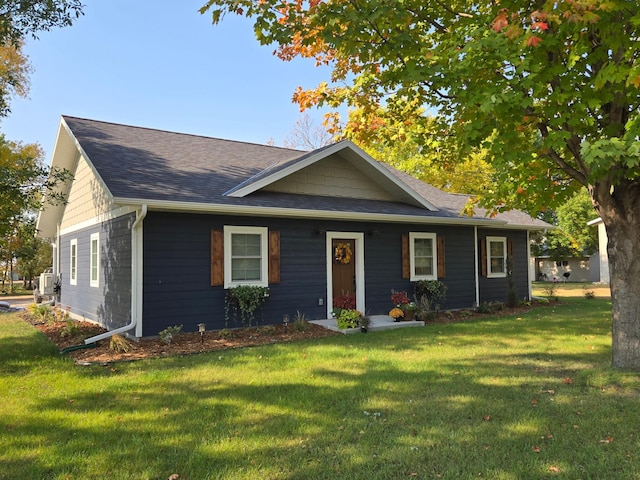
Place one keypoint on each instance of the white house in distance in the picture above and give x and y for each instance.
(602, 250)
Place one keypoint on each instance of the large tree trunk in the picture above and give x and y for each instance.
(620, 213)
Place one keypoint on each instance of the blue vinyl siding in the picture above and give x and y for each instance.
(177, 290)
(110, 303)
(496, 289)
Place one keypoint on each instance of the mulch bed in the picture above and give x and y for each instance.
(181, 344)
(190, 343)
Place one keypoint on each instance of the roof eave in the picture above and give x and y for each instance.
(250, 210)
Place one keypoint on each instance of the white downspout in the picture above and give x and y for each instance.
(136, 280)
(475, 255)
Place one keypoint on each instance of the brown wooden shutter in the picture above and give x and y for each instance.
(483, 257)
(274, 257)
(406, 263)
(217, 258)
(441, 267)
(509, 248)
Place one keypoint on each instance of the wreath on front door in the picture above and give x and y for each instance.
(343, 253)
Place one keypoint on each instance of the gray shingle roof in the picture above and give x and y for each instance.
(148, 164)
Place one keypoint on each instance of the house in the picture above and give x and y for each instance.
(571, 269)
(158, 225)
(603, 257)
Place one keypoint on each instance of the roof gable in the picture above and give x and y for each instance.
(338, 170)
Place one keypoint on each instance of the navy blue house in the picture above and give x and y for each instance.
(158, 225)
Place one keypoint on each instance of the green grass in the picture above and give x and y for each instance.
(528, 397)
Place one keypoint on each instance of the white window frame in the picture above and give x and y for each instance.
(73, 262)
(434, 270)
(502, 240)
(229, 231)
(94, 260)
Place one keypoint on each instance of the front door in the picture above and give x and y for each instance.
(343, 268)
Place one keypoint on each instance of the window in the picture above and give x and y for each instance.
(245, 256)
(423, 256)
(73, 262)
(95, 260)
(496, 257)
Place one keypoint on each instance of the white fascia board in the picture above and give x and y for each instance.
(326, 152)
(244, 210)
(595, 221)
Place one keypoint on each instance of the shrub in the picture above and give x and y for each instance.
(226, 333)
(490, 307)
(430, 292)
(71, 329)
(245, 299)
(168, 333)
(588, 294)
(550, 289)
(300, 323)
(119, 344)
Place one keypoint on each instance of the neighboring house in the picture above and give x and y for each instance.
(158, 225)
(574, 269)
(603, 258)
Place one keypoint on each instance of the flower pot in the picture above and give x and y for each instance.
(409, 315)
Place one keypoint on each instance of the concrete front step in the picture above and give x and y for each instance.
(378, 322)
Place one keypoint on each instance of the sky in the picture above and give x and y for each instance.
(163, 65)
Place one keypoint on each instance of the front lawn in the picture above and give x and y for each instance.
(517, 397)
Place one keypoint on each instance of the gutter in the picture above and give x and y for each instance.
(134, 281)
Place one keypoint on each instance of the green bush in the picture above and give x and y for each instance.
(348, 318)
(245, 299)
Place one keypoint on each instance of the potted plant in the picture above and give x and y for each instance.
(396, 313)
(365, 321)
(409, 310)
(399, 298)
(401, 301)
(349, 318)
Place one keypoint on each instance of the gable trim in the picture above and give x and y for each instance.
(249, 186)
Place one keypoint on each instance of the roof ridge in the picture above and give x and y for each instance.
(162, 130)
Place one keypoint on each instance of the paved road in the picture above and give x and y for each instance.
(22, 300)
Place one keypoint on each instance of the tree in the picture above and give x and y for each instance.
(33, 254)
(307, 135)
(573, 237)
(19, 18)
(549, 89)
(426, 150)
(23, 181)
(14, 75)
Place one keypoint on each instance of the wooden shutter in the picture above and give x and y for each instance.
(441, 267)
(483, 257)
(509, 248)
(406, 263)
(217, 258)
(274, 257)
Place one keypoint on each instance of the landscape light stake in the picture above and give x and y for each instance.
(201, 329)
(285, 321)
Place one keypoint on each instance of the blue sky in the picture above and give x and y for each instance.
(162, 65)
